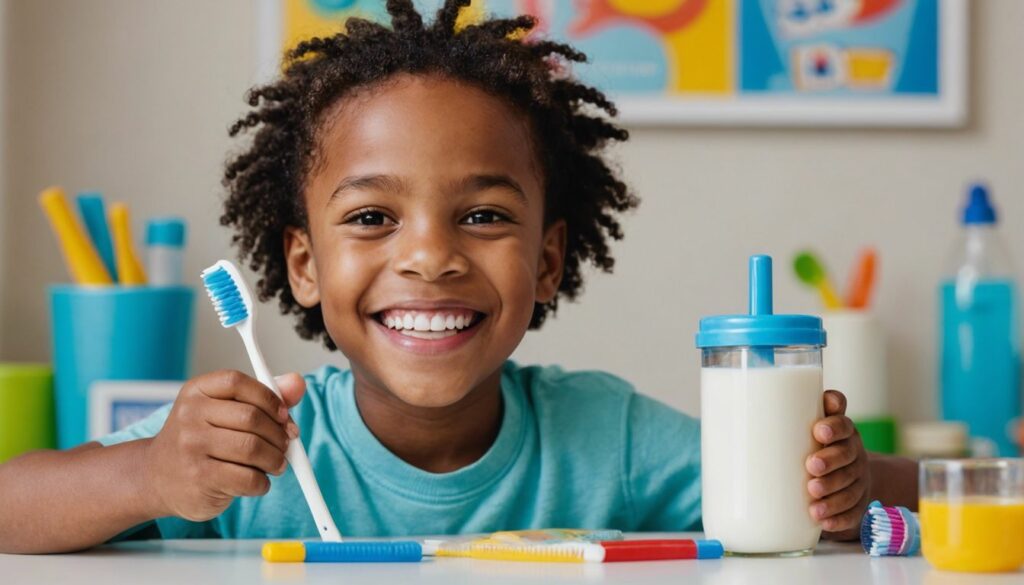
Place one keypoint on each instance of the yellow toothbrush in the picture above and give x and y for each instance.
(566, 552)
(81, 258)
(128, 266)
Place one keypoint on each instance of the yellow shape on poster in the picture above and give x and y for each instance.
(302, 22)
(869, 68)
(646, 8)
(701, 55)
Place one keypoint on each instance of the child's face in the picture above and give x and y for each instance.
(426, 204)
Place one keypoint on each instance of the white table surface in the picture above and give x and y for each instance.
(195, 562)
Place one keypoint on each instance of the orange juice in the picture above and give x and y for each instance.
(978, 534)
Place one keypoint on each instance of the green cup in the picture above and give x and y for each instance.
(878, 434)
(26, 409)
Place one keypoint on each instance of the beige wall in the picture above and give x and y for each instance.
(4, 175)
(134, 98)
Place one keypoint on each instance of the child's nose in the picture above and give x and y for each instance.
(429, 252)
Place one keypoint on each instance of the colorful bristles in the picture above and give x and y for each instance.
(889, 531)
(226, 297)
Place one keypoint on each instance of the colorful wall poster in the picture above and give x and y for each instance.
(730, 62)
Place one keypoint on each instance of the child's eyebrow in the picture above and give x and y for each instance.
(482, 182)
(387, 183)
(392, 184)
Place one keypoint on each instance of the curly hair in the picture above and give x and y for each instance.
(265, 182)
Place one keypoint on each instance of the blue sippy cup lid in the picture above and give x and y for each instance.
(760, 328)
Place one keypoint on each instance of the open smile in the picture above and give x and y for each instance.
(429, 331)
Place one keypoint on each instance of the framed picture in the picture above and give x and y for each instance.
(726, 62)
(116, 404)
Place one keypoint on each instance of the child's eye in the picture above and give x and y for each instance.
(368, 217)
(484, 216)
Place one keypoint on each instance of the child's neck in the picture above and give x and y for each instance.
(438, 440)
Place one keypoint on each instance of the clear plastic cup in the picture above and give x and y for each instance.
(761, 393)
(756, 419)
(972, 514)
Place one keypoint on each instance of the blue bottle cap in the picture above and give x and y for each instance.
(978, 209)
(760, 328)
(168, 231)
(710, 549)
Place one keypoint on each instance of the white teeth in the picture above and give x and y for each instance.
(437, 323)
(422, 323)
(430, 334)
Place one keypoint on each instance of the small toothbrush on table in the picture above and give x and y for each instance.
(233, 302)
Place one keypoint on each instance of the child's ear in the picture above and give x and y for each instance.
(552, 262)
(298, 253)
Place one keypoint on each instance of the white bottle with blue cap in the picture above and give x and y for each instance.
(165, 250)
(761, 392)
(980, 347)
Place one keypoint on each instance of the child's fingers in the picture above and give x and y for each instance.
(234, 385)
(239, 480)
(831, 458)
(292, 387)
(848, 519)
(831, 483)
(238, 416)
(839, 502)
(245, 449)
(832, 429)
(835, 402)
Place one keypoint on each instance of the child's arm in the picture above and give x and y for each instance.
(845, 478)
(225, 432)
(60, 501)
(895, 480)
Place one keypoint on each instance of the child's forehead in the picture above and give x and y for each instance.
(415, 121)
(427, 102)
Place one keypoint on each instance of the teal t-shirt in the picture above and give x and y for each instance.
(575, 450)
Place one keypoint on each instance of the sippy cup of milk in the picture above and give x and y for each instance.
(761, 392)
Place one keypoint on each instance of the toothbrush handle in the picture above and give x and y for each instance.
(296, 453)
(314, 498)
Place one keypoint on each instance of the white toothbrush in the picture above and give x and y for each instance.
(233, 302)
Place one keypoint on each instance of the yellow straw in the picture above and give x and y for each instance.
(128, 266)
(80, 256)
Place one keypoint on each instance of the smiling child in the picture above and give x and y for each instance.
(418, 196)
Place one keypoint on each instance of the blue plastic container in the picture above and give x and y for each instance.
(114, 333)
(980, 348)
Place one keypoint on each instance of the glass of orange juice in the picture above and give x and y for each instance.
(972, 514)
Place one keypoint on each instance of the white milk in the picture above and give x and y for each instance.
(755, 439)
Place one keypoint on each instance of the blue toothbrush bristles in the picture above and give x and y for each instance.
(225, 296)
(889, 531)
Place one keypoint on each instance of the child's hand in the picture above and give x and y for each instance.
(840, 473)
(225, 432)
